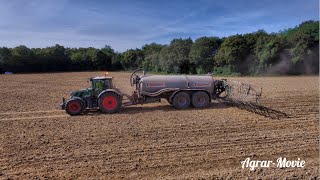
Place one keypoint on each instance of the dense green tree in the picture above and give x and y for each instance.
(175, 57)
(233, 52)
(132, 59)
(303, 39)
(106, 55)
(117, 60)
(267, 52)
(151, 54)
(21, 60)
(5, 55)
(202, 53)
(303, 43)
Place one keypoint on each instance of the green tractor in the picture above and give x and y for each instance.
(102, 94)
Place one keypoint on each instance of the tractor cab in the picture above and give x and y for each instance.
(99, 84)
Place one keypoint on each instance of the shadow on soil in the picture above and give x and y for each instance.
(143, 108)
(256, 108)
(226, 103)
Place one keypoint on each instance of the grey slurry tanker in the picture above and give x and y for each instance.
(181, 91)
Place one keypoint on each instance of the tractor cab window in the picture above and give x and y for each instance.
(107, 84)
(99, 85)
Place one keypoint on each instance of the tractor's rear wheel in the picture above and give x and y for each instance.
(181, 100)
(200, 99)
(109, 102)
(74, 107)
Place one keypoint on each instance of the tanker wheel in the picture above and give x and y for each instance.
(200, 99)
(109, 102)
(181, 100)
(74, 107)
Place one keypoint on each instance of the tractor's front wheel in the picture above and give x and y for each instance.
(109, 102)
(74, 107)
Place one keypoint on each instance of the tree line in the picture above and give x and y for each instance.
(291, 51)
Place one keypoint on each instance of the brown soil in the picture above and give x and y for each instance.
(153, 141)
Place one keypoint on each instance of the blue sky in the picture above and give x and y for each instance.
(125, 24)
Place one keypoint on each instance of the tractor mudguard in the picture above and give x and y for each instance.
(81, 100)
(171, 96)
(63, 105)
(111, 90)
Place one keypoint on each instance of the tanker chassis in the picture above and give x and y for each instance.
(181, 91)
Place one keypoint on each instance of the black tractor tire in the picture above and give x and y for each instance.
(169, 101)
(83, 103)
(109, 102)
(200, 99)
(181, 100)
(74, 107)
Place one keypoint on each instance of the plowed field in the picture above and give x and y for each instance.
(37, 140)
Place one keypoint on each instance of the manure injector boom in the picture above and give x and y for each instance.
(181, 91)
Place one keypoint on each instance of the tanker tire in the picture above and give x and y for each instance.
(109, 102)
(74, 107)
(200, 99)
(181, 100)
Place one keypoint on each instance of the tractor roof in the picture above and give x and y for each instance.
(100, 78)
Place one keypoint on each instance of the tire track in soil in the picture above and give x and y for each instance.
(218, 146)
(171, 149)
(29, 115)
(30, 112)
(34, 117)
(175, 160)
(199, 130)
(207, 130)
(159, 162)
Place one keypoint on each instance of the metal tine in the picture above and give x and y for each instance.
(246, 96)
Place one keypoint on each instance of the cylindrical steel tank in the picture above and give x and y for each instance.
(154, 83)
